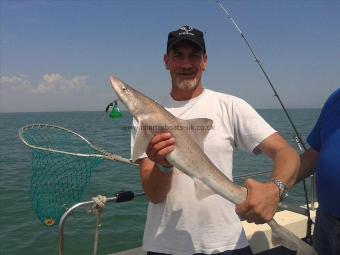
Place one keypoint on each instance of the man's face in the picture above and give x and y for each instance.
(186, 64)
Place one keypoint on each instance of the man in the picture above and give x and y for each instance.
(323, 157)
(177, 221)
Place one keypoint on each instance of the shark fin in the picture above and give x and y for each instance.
(281, 236)
(142, 140)
(276, 239)
(202, 190)
(198, 128)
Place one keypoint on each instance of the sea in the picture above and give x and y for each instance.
(122, 224)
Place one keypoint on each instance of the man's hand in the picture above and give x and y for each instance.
(263, 198)
(155, 183)
(160, 146)
(261, 203)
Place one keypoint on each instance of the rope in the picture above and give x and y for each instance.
(97, 209)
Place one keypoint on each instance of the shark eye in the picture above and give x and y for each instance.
(125, 90)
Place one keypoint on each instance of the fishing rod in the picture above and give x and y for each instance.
(297, 137)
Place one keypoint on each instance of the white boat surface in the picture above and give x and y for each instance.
(259, 236)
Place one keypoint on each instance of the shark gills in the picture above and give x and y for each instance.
(188, 157)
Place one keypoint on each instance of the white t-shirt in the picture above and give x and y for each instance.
(182, 224)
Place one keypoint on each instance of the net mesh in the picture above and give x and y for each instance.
(58, 180)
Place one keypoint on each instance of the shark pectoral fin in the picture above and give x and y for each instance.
(142, 140)
(198, 128)
(202, 190)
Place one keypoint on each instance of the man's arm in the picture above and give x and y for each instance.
(285, 159)
(156, 184)
(263, 198)
(309, 160)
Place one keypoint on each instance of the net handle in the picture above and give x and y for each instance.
(104, 154)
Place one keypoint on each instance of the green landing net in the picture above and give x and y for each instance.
(57, 183)
(58, 177)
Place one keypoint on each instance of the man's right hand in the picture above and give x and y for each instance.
(160, 146)
(155, 183)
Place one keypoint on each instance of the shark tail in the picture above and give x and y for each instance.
(282, 236)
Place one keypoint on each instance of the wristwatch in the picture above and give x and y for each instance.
(283, 190)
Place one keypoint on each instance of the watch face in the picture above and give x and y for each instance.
(282, 188)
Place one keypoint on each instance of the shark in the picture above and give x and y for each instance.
(188, 156)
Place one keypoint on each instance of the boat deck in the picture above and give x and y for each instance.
(274, 251)
(259, 236)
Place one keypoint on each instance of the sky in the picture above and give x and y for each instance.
(58, 55)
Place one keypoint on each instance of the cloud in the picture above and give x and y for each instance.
(50, 84)
(15, 84)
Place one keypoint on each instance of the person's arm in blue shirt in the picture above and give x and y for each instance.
(308, 162)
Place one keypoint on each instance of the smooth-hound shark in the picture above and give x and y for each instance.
(188, 157)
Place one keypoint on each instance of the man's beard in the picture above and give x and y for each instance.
(187, 84)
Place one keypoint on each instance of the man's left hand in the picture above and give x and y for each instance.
(261, 203)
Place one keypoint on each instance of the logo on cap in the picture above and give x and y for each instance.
(186, 33)
(186, 30)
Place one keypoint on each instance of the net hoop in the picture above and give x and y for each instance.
(35, 126)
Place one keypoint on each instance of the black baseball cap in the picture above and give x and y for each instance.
(186, 33)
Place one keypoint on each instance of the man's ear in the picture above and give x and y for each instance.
(205, 62)
(166, 61)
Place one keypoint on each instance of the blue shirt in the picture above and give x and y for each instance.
(325, 138)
